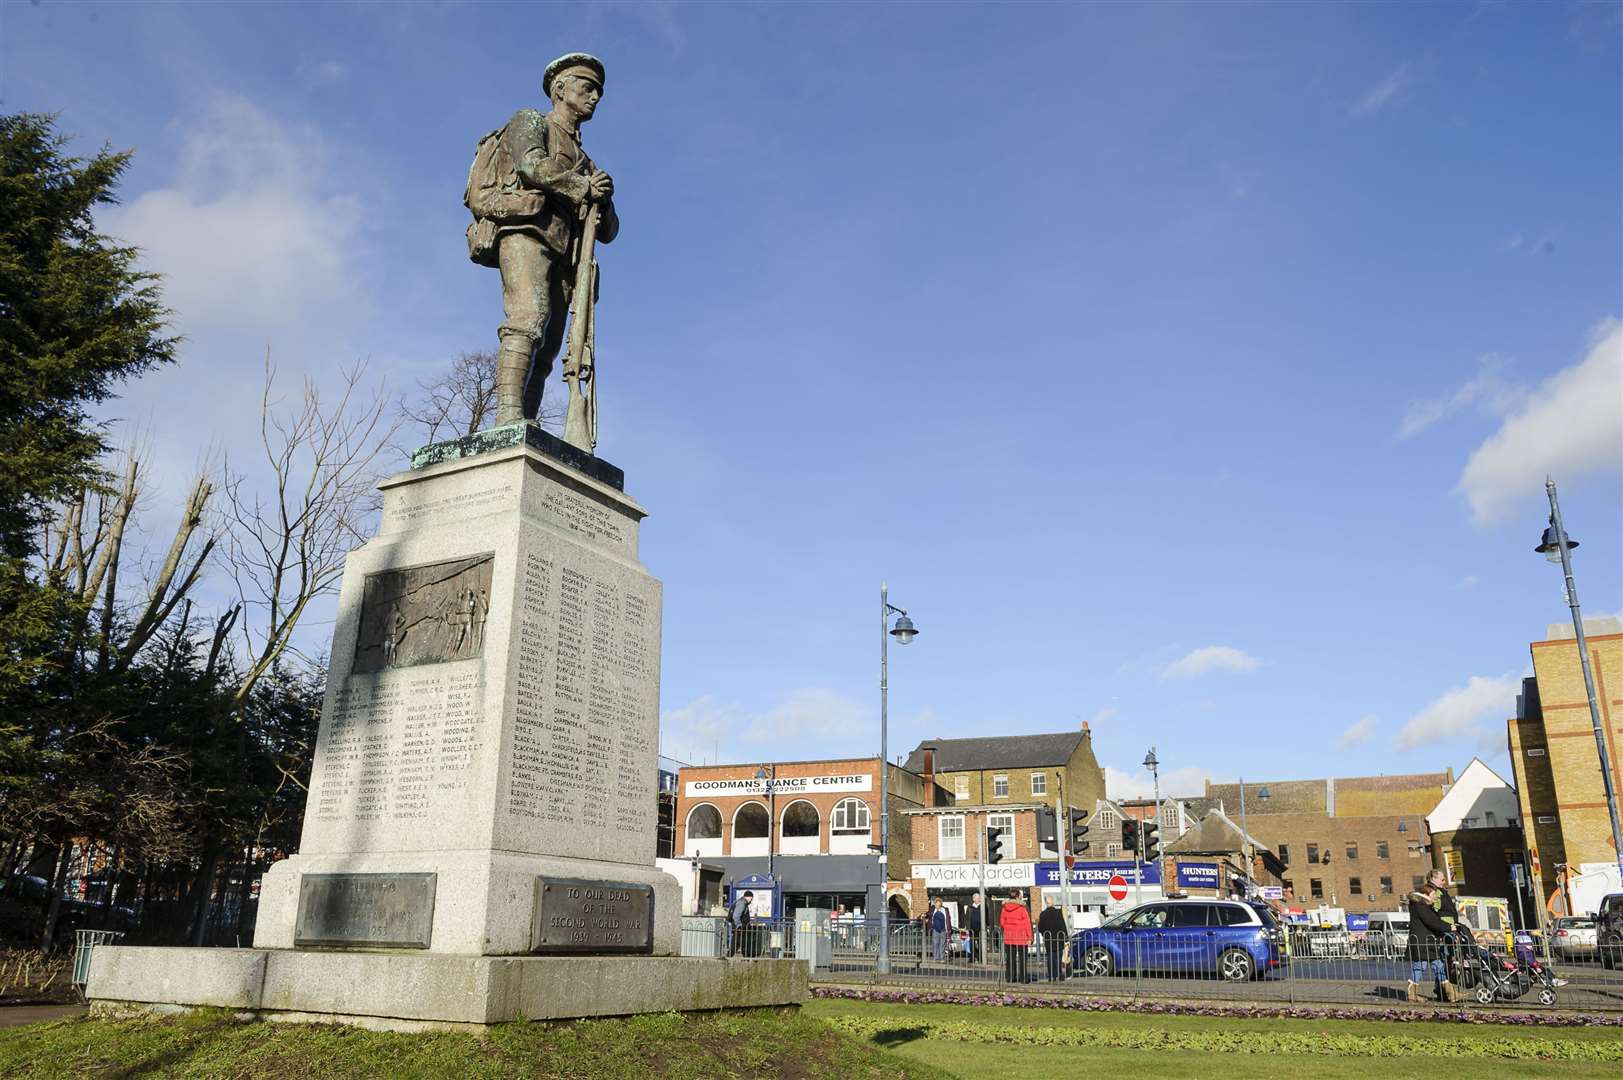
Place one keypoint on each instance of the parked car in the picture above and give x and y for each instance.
(1573, 937)
(1609, 930)
(1388, 932)
(1234, 939)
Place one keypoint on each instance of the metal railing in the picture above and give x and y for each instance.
(85, 942)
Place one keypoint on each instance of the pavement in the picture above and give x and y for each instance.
(18, 1015)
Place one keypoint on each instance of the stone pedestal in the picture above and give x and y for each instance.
(484, 782)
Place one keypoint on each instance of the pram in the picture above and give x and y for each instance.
(1506, 978)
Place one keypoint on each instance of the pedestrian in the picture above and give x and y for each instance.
(1052, 933)
(975, 923)
(1427, 933)
(940, 928)
(1449, 912)
(1015, 922)
(738, 916)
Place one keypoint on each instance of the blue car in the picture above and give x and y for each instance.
(1233, 939)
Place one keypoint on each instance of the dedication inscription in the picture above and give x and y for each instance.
(366, 910)
(424, 614)
(575, 915)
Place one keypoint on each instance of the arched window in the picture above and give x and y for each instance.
(850, 815)
(1105, 819)
(750, 823)
(704, 822)
(800, 819)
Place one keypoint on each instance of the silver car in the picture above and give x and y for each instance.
(1573, 937)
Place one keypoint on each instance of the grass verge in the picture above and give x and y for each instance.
(1013, 1043)
(748, 1044)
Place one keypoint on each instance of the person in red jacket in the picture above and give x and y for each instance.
(1015, 921)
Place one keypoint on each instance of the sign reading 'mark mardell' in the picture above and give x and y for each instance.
(783, 785)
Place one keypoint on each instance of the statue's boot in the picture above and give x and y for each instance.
(512, 367)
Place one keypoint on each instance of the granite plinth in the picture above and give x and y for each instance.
(492, 709)
(412, 991)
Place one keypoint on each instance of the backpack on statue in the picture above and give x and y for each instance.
(495, 196)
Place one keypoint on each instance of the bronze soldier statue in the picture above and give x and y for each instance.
(533, 193)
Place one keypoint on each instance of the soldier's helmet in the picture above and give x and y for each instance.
(568, 61)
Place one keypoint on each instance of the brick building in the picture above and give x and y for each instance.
(814, 823)
(1014, 770)
(1359, 843)
(1552, 752)
(1476, 834)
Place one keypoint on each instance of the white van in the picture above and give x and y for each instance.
(1388, 932)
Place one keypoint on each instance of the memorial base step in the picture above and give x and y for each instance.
(402, 991)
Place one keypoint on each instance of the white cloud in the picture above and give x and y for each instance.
(693, 733)
(813, 711)
(1469, 581)
(1178, 783)
(1208, 659)
(243, 235)
(1476, 710)
(1358, 733)
(1102, 715)
(1488, 391)
(1384, 92)
(1570, 425)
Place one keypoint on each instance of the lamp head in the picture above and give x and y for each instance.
(904, 631)
(1549, 544)
(1264, 794)
(1150, 761)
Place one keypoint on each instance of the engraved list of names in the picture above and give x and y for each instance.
(584, 720)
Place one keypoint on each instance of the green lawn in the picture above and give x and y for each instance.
(828, 1038)
(1014, 1043)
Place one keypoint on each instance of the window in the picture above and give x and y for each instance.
(1190, 915)
(952, 836)
(704, 822)
(1169, 816)
(1352, 851)
(1001, 821)
(1488, 814)
(1468, 823)
(800, 819)
(1419, 880)
(1000, 787)
(1313, 853)
(1355, 886)
(1316, 887)
(1535, 751)
(960, 787)
(1288, 885)
(1112, 850)
(1234, 915)
(1285, 854)
(1039, 783)
(1105, 819)
(750, 823)
(1381, 851)
(1386, 886)
(1150, 917)
(851, 815)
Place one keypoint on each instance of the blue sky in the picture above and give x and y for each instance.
(1191, 370)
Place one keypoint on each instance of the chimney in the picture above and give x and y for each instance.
(1085, 732)
(929, 777)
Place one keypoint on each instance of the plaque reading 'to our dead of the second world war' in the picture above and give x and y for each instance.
(587, 916)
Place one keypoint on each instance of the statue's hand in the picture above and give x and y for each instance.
(600, 186)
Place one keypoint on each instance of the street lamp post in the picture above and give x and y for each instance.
(1154, 766)
(904, 632)
(769, 773)
(1246, 846)
(1556, 546)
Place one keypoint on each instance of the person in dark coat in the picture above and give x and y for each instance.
(1054, 935)
(1427, 934)
(975, 923)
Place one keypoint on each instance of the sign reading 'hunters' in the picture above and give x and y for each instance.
(783, 785)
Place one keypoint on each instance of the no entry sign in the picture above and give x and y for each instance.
(1118, 887)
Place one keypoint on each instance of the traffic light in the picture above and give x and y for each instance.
(1005, 844)
(1079, 830)
(1152, 841)
(994, 846)
(1047, 827)
(1129, 836)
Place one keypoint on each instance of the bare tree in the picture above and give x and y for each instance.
(463, 400)
(286, 539)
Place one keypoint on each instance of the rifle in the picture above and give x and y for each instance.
(580, 421)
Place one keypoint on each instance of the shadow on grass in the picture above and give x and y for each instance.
(898, 1036)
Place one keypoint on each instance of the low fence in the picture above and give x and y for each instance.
(1240, 964)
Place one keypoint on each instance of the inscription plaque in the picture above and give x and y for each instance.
(574, 915)
(424, 614)
(366, 910)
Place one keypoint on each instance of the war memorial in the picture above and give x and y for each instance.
(478, 842)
